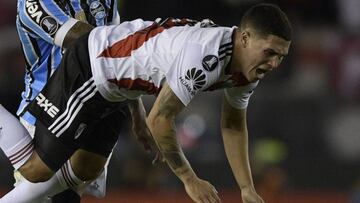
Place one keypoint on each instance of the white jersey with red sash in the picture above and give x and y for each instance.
(137, 57)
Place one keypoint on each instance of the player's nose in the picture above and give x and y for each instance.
(273, 63)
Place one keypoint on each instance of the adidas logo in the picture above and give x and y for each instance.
(194, 80)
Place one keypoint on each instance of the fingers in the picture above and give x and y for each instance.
(145, 144)
(214, 197)
(206, 200)
(150, 146)
(213, 194)
(143, 136)
(158, 158)
(210, 195)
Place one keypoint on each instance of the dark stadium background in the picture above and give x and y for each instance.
(304, 119)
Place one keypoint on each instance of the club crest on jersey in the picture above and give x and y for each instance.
(80, 130)
(36, 13)
(194, 80)
(49, 24)
(47, 106)
(97, 10)
(210, 62)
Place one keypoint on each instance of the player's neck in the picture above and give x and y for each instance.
(235, 63)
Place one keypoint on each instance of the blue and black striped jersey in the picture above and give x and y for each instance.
(42, 26)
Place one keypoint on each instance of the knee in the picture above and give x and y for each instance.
(86, 165)
(89, 172)
(34, 170)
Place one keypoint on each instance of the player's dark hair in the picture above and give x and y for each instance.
(267, 19)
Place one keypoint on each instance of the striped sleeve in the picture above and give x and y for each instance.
(115, 17)
(44, 19)
(238, 97)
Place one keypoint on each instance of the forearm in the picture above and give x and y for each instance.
(236, 148)
(164, 133)
(162, 126)
(79, 29)
(137, 110)
(235, 136)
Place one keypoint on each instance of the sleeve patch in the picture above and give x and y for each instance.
(38, 15)
(193, 80)
(210, 62)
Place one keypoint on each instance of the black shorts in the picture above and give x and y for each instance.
(71, 113)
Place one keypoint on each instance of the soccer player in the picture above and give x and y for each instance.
(45, 29)
(173, 59)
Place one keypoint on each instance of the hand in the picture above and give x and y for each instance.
(201, 191)
(144, 136)
(250, 196)
(158, 158)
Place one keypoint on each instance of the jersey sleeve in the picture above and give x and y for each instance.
(187, 75)
(45, 19)
(238, 97)
(116, 19)
(115, 15)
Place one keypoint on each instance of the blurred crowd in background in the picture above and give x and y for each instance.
(303, 119)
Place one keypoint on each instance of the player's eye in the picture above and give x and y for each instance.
(281, 57)
(269, 52)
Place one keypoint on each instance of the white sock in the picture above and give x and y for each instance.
(28, 192)
(67, 177)
(15, 141)
(97, 187)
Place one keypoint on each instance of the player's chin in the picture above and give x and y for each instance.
(249, 76)
(253, 78)
(257, 76)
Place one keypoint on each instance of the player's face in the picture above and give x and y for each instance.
(262, 55)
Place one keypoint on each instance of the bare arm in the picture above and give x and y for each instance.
(139, 127)
(137, 111)
(162, 127)
(235, 137)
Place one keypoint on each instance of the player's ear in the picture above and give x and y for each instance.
(245, 37)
